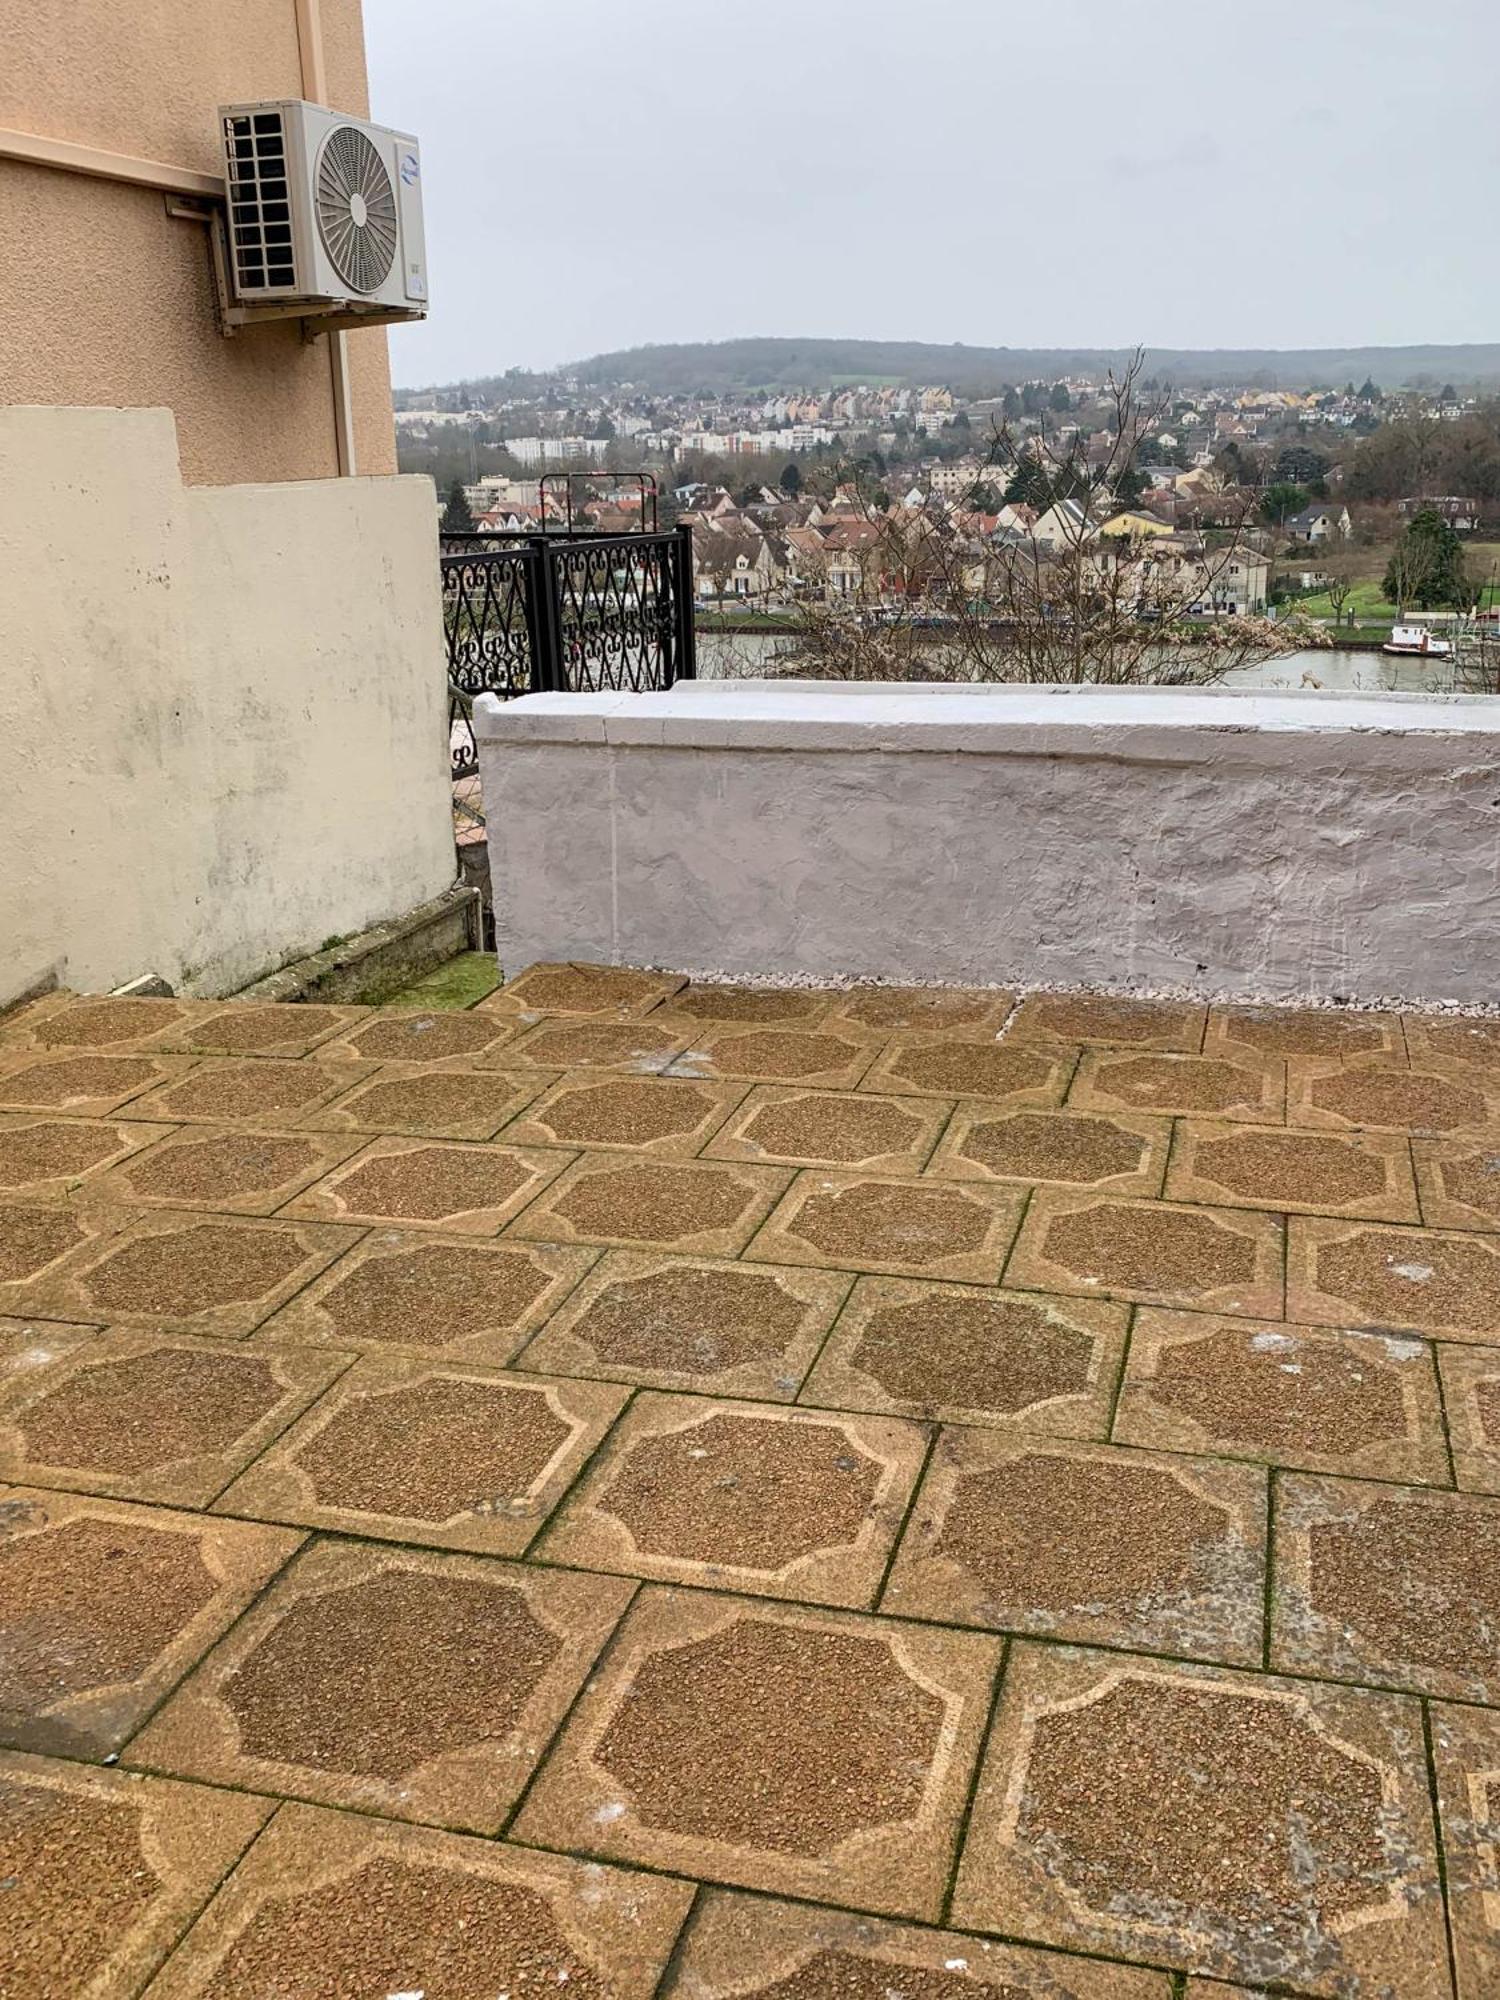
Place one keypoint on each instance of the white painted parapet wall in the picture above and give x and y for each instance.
(1251, 843)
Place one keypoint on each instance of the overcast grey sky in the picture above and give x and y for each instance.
(1188, 173)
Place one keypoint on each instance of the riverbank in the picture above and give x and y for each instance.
(742, 653)
(1352, 639)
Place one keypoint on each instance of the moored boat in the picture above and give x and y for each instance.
(1417, 639)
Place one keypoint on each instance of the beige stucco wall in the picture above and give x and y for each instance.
(107, 299)
(223, 727)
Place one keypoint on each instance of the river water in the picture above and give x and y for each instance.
(738, 655)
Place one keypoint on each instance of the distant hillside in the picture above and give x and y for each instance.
(729, 365)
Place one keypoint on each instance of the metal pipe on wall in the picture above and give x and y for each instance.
(315, 90)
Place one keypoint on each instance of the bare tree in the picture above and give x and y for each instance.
(1413, 561)
(1051, 597)
(1341, 570)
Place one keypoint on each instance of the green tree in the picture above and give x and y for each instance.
(1369, 391)
(983, 498)
(1427, 566)
(1280, 501)
(790, 481)
(1029, 485)
(1302, 466)
(1010, 406)
(458, 518)
(1129, 486)
(1059, 399)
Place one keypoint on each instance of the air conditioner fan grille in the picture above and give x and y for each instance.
(356, 207)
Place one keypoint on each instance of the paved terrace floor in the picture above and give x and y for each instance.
(647, 1488)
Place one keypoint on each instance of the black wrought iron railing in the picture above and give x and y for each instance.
(532, 614)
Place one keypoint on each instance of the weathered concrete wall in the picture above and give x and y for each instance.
(1237, 843)
(108, 300)
(223, 720)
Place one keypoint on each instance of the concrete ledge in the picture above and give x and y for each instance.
(1238, 842)
(367, 969)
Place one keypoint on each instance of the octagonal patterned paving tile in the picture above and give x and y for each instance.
(439, 1453)
(638, 1047)
(27, 1345)
(1459, 1182)
(892, 1010)
(105, 1606)
(261, 1090)
(471, 1189)
(104, 1871)
(38, 1239)
(1330, 1173)
(416, 1686)
(1056, 1148)
(1110, 1018)
(1122, 1800)
(1428, 1098)
(344, 1904)
(443, 1100)
(669, 1116)
(236, 1170)
(1249, 1090)
(1074, 1541)
(1471, 1397)
(761, 1006)
(412, 1035)
(907, 1228)
(17, 1022)
(711, 1209)
(1466, 1758)
(821, 1057)
(407, 1292)
(191, 1272)
(1304, 1031)
(1453, 1038)
(97, 1021)
(92, 1085)
(1009, 1360)
(145, 1416)
(691, 1323)
(820, 1754)
(1215, 1259)
(1315, 1397)
(1396, 1586)
(243, 1028)
(936, 1065)
(42, 1157)
(751, 1948)
(588, 989)
(800, 1128)
(1428, 1280)
(744, 1496)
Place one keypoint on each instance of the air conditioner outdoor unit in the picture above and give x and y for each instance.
(325, 212)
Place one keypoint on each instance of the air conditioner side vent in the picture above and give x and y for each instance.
(261, 240)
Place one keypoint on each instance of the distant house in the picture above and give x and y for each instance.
(956, 481)
(1239, 585)
(1197, 480)
(1456, 511)
(1135, 525)
(1320, 523)
(1063, 526)
(735, 562)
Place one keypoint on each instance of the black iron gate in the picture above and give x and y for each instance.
(531, 614)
